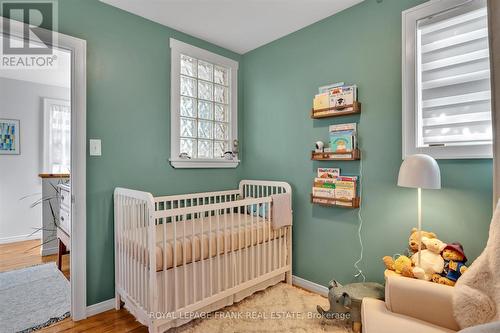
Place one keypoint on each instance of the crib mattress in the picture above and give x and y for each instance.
(233, 232)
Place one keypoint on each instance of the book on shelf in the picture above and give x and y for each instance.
(343, 97)
(342, 188)
(328, 172)
(335, 99)
(343, 138)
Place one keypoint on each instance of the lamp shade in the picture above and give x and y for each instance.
(419, 171)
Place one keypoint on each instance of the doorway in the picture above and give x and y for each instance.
(43, 165)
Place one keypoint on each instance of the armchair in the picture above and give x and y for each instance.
(414, 306)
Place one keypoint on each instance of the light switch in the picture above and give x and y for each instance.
(95, 147)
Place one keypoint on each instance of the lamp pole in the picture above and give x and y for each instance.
(419, 220)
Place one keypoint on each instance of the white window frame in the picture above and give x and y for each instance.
(410, 18)
(47, 144)
(178, 48)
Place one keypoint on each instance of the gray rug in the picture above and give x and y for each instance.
(32, 298)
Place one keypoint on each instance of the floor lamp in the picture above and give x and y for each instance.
(419, 171)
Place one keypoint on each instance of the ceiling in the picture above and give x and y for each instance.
(238, 25)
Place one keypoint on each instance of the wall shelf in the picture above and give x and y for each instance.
(336, 111)
(329, 202)
(330, 156)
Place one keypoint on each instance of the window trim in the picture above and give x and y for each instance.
(409, 79)
(178, 47)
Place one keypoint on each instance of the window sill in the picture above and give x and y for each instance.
(203, 164)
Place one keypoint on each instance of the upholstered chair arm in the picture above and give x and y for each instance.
(419, 299)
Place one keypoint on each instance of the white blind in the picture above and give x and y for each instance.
(454, 79)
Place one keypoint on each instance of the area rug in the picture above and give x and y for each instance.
(281, 308)
(32, 298)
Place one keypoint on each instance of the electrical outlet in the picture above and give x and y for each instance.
(95, 147)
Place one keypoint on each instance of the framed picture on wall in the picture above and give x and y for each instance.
(9, 137)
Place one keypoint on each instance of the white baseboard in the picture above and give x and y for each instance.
(109, 304)
(47, 252)
(311, 286)
(94, 309)
(14, 239)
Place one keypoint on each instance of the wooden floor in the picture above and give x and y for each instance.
(110, 322)
(25, 254)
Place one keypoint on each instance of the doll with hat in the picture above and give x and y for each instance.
(454, 263)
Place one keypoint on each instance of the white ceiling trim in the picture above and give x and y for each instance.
(237, 25)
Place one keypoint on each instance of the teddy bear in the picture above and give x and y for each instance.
(454, 264)
(402, 265)
(413, 240)
(405, 265)
(431, 261)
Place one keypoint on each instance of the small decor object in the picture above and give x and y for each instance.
(429, 261)
(9, 137)
(345, 301)
(320, 146)
(419, 171)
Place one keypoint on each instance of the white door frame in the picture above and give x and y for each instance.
(78, 269)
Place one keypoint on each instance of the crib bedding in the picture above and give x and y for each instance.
(221, 234)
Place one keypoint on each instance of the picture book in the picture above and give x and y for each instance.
(342, 141)
(323, 192)
(343, 96)
(321, 101)
(328, 172)
(324, 182)
(343, 137)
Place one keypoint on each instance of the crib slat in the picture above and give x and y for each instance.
(252, 270)
(218, 253)
(210, 261)
(202, 255)
(174, 262)
(226, 253)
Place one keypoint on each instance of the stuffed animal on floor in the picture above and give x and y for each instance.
(431, 261)
(454, 264)
(345, 301)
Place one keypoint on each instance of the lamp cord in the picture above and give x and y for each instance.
(360, 226)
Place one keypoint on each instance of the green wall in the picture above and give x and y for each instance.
(128, 75)
(128, 96)
(360, 45)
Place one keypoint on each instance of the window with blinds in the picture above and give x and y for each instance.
(451, 109)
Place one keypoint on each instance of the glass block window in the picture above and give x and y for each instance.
(204, 108)
(204, 121)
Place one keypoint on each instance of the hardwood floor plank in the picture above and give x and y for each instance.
(25, 254)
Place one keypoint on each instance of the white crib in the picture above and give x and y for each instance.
(178, 257)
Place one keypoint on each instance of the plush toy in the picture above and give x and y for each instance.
(454, 263)
(413, 240)
(402, 265)
(431, 261)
